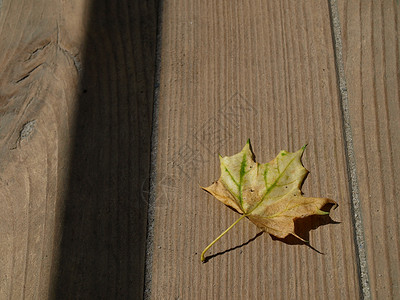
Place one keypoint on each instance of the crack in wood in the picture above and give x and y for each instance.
(28, 73)
(75, 59)
(37, 50)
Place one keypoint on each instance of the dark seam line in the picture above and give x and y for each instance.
(358, 228)
(153, 163)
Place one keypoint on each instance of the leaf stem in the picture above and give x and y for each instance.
(220, 236)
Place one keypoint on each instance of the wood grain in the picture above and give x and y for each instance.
(76, 89)
(371, 59)
(233, 70)
(38, 83)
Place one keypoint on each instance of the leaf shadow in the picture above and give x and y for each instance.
(303, 226)
(207, 258)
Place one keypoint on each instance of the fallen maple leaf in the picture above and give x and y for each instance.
(268, 194)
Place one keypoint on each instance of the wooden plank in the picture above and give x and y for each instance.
(371, 59)
(39, 77)
(233, 70)
(76, 91)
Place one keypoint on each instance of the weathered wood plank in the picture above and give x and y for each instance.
(371, 59)
(76, 92)
(233, 70)
(40, 50)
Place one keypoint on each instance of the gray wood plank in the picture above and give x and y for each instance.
(371, 60)
(230, 71)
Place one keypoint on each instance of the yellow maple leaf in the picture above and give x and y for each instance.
(269, 195)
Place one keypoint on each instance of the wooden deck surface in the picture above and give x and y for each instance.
(95, 153)
(371, 60)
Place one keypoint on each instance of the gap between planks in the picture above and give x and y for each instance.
(359, 237)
